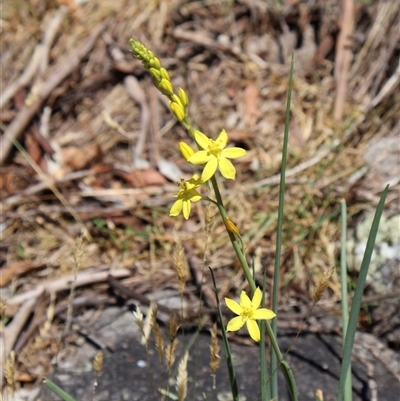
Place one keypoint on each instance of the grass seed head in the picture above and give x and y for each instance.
(322, 285)
(157, 334)
(182, 378)
(98, 361)
(9, 371)
(214, 352)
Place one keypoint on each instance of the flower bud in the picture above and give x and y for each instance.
(155, 74)
(183, 97)
(186, 150)
(155, 63)
(177, 110)
(231, 227)
(165, 87)
(164, 74)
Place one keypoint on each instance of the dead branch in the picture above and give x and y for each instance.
(343, 57)
(64, 283)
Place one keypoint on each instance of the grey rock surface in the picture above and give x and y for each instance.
(130, 374)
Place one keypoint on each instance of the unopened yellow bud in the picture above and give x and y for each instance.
(155, 63)
(231, 227)
(164, 74)
(155, 74)
(183, 97)
(177, 110)
(165, 87)
(186, 150)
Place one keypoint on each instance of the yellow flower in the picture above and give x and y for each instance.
(248, 312)
(186, 194)
(214, 155)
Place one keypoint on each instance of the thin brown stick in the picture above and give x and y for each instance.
(24, 79)
(64, 283)
(135, 91)
(343, 57)
(49, 37)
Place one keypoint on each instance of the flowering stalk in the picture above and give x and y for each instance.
(188, 193)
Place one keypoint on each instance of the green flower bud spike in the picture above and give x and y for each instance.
(161, 78)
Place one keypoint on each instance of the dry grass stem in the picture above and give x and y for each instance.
(214, 353)
(210, 213)
(159, 339)
(322, 285)
(319, 395)
(79, 250)
(180, 263)
(182, 378)
(2, 309)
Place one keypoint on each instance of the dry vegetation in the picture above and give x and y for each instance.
(101, 157)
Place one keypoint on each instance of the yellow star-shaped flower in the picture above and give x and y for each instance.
(186, 194)
(249, 312)
(215, 156)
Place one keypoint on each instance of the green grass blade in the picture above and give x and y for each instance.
(275, 290)
(345, 306)
(289, 379)
(355, 308)
(265, 380)
(231, 369)
(57, 390)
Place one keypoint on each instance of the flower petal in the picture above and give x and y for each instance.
(235, 324)
(263, 314)
(186, 209)
(227, 169)
(202, 140)
(193, 196)
(233, 153)
(245, 301)
(253, 329)
(256, 301)
(176, 208)
(209, 169)
(233, 306)
(222, 139)
(200, 157)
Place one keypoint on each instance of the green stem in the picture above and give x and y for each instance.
(243, 262)
(239, 252)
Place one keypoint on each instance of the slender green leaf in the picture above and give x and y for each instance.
(275, 288)
(170, 395)
(345, 307)
(57, 390)
(265, 380)
(355, 307)
(231, 368)
(290, 381)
